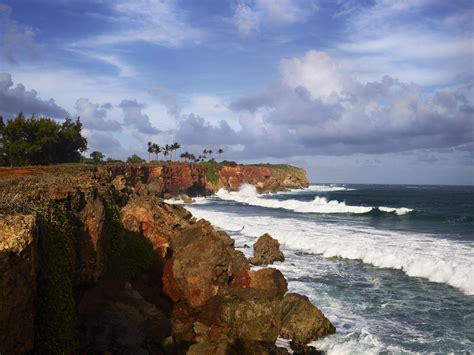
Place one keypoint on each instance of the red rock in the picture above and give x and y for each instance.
(170, 287)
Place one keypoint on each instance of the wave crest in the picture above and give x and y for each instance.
(248, 194)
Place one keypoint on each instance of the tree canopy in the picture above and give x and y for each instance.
(40, 141)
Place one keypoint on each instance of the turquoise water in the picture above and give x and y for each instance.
(391, 266)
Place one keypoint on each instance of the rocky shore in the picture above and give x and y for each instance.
(92, 260)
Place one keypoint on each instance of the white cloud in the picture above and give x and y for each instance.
(17, 40)
(316, 72)
(249, 16)
(398, 38)
(159, 22)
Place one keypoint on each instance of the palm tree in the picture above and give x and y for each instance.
(220, 151)
(184, 156)
(150, 150)
(155, 148)
(166, 150)
(173, 147)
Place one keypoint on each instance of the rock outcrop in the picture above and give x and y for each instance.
(302, 321)
(266, 250)
(98, 262)
(18, 273)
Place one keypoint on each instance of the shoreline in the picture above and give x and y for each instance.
(91, 247)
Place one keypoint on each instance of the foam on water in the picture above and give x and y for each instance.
(417, 255)
(196, 200)
(330, 188)
(248, 194)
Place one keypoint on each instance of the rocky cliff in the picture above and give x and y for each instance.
(177, 178)
(93, 261)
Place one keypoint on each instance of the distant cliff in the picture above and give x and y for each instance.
(179, 178)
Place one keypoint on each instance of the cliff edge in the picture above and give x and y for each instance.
(92, 260)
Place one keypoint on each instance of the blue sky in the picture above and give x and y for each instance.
(354, 91)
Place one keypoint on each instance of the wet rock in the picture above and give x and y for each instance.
(18, 271)
(269, 279)
(212, 347)
(266, 250)
(186, 199)
(302, 321)
(302, 349)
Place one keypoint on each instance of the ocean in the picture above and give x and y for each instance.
(391, 266)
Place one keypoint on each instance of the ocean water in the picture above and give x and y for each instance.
(391, 266)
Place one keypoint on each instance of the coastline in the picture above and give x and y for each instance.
(95, 244)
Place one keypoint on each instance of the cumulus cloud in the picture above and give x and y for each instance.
(17, 40)
(315, 108)
(193, 130)
(168, 99)
(104, 143)
(93, 116)
(15, 99)
(133, 116)
(249, 16)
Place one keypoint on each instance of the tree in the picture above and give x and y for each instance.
(173, 147)
(166, 150)
(97, 156)
(135, 159)
(220, 151)
(32, 141)
(150, 150)
(156, 149)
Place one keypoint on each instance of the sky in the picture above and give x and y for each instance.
(376, 91)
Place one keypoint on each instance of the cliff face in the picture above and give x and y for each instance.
(204, 178)
(92, 260)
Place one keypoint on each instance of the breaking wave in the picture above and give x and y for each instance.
(417, 255)
(248, 194)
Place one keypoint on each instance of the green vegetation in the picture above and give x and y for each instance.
(138, 253)
(43, 141)
(135, 159)
(133, 252)
(97, 157)
(279, 171)
(55, 316)
(212, 171)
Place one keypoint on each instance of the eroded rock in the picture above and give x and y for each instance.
(302, 321)
(18, 272)
(266, 250)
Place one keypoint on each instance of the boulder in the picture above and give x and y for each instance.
(301, 321)
(185, 198)
(266, 250)
(268, 279)
(203, 261)
(155, 220)
(244, 313)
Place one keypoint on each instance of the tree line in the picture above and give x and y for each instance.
(44, 141)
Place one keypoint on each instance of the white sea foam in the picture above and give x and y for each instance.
(330, 188)
(417, 255)
(248, 194)
(196, 200)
